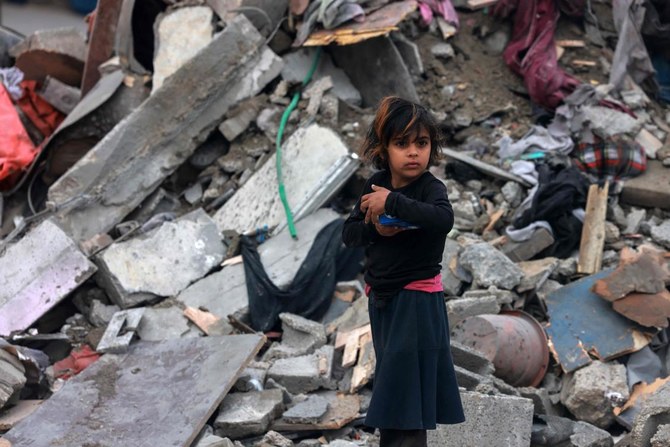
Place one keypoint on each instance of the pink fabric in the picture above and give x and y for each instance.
(423, 285)
(531, 52)
(17, 151)
(442, 7)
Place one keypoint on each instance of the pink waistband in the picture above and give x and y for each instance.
(423, 285)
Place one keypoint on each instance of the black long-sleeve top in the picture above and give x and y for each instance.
(411, 255)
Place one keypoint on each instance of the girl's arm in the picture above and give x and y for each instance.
(357, 233)
(434, 213)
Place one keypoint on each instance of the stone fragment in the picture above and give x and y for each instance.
(451, 283)
(252, 378)
(536, 273)
(542, 401)
(299, 62)
(215, 441)
(525, 250)
(472, 381)
(461, 308)
(307, 157)
(503, 297)
(470, 359)
(274, 439)
(612, 233)
(442, 51)
(608, 122)
(163, 323)
(649, 190)
(38, 271)
(114, 177)
(585, 392)
(661, 234)
(308, 411)
(490, 267)
(305, 373)
(466, 212)
(662, 436)
(241, 117)
(101, 314)
(566, 268)
(180, 34)
(409, 52)
(654, 414)
(634, 219)
(489, 421)
(120, 331)
(513, 193)
(587, 435)
(163, 262)
(342, 443)
(300, 336)
(12, 377)
(248, 414)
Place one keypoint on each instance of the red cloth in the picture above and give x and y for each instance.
(76, 362)
(42, 114)
(429, 285)
(17, 151)
(531, 52)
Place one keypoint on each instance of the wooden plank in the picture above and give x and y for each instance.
(593, 231)
(583, 325)
(343, 336)
(157, 394)
(379, 23)
(486, 168)
(350, 351)
(365, 368)
(209, 323)
(571, 43)
(583, 63)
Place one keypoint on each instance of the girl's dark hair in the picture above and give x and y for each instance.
(397, 117)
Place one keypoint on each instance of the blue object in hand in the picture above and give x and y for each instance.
(390, 221)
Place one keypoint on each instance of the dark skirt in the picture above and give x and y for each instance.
(415, 384)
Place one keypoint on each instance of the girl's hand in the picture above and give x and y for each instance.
(373, 204)
(388, 231)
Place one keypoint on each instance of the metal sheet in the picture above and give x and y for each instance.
(582, 323)
(158, 394)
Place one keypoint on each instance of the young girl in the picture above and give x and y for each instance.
(415, 385)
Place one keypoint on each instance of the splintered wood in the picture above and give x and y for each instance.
(357, 345)
(593, 232)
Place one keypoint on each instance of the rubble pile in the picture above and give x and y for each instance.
(174, 185)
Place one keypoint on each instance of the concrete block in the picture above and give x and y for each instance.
(542, 402)
(298, 63)
(307, 156)
(12, 376)
(536, 273)
(180, 34)
(502, 296)
(662, 436)
(274, 439)
(114, 177)
(470, 359)
(490, 267)
(649, 190)
(587, 435)
(525, 250)
(37, 275)
(608, 122)
(471, 380)
(300, 336)
(100, 314)
(661, 234)
(120, 331)
(585, 392)
(634, 219)
(461, 308)
(161, 263)
(252, 378)
(489, 421)
(305, 373)
(248, 414)
(164, 323)
(308, 411)
(215, 441)
(225, 292)
(241, 117)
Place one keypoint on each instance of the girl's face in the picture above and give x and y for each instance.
(408, 157)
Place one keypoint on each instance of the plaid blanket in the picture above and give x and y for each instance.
(612, 159)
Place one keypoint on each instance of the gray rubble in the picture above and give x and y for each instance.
(12, 377)
(309, 411)
(490, 267)
(247, 414)
(305, 373)
(461, 308)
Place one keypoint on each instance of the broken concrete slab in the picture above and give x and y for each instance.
(59, 53)
(364, 60)
(120, 331)
(298, 63)
(651, 189)
(308, 156)
(108, 400)
(490, 267)
(489, 420)
(582, 323)
(37, 275)
(661, 234)
(556, 430)
(12, 377)
(164, 323)
(461, 308)
(100, 314)
(214, 441)
(247, 414)
(305, 373)
(633, 220)
(180, 34)
(503, 297)
(607, 122)
(470, 359)
(309, 411)
(543, 402)
(342, 409)
(536, 273)
(253, 377)
(587, 435)
(409, 51)
(654, 414)
(300, 336)
(662, 436)
(161, 263)
(225, 292)
(234, 66)
(525, 250)
(239, 119)
(586, 392)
